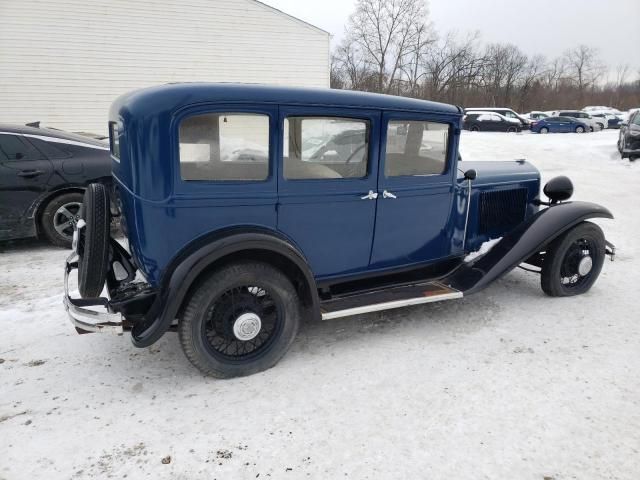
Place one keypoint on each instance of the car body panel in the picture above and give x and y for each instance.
(52, 162)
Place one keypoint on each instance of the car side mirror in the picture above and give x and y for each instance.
(470, 174)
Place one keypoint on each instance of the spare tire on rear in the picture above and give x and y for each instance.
(93, 241)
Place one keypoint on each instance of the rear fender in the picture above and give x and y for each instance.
(188, 266)
(524, 241)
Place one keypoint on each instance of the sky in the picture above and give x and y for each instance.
(547, 27)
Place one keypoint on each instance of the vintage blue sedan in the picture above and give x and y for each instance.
(559, 125)
(250, 208)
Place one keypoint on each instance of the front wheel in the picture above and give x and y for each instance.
(241, 320)
(544, 130)
(580, 130)
(573, 261)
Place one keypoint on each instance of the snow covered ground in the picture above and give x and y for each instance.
(507, 384)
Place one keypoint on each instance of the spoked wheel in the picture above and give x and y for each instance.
(241, 320)
(573, 261)
(544, 130)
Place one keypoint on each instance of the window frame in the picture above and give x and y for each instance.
(418, 179)
(368, 131)
(224, 187)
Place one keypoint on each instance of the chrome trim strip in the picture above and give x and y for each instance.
(85, 319)
(377, 307)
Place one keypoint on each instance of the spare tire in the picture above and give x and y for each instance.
(93, 241)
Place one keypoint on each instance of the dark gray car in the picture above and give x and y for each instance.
(43, 174)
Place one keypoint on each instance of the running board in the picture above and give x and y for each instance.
(377, 301)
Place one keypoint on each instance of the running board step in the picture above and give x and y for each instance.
(387, 299)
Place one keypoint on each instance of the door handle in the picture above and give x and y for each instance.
(386, 194)
(30, 173)
(370, 196)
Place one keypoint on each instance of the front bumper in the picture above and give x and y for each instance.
(84, 319)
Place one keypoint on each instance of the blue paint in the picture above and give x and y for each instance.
(338, 233)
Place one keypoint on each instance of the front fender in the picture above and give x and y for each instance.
(190, 264)
(527, 239)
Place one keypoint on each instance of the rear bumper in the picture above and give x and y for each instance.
(84, 319)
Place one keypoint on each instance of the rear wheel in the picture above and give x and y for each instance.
(241, 320)
(573, 261)
(59, 218)
(475, 128)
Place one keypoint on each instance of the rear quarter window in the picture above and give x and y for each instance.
(225, 146)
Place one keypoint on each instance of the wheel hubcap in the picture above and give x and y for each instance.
(585, 266)
(247, 327)
(66, 218)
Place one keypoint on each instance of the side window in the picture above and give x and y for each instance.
(509, 114)
(416, 148)
(49, 149)
(485, 117)
(15, 148)
(325, 147)
(224, 147)
(636, 119)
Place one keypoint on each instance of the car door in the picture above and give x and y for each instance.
(563, 124)
(415, 182)
(24, 173)
(327, 185)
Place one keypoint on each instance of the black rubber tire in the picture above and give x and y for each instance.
(49, 214)
(93, 241)
(475, 128)
(550, 276)
(512, 130)
(196, 313)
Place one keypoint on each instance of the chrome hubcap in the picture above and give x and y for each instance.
(585, 266)
(247, 326)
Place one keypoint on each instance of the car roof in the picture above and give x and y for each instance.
(43, 133)
(488, 109)
(168, 98)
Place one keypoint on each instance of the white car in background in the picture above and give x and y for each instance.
(535, 115)
(584, 117)
(601, 118)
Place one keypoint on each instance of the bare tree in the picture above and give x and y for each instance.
(386, 31)
(583, 67)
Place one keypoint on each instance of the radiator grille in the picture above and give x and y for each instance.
(500, 210)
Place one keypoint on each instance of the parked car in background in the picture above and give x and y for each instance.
(525, 124)
(240, 255)
(629, 138)
(490, 122)
(43, 174)
(535, 116)
(559, 125)
(583, 117)
(601, 119)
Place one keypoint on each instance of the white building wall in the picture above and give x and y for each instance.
(64, 61)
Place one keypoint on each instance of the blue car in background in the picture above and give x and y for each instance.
(559, 125)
